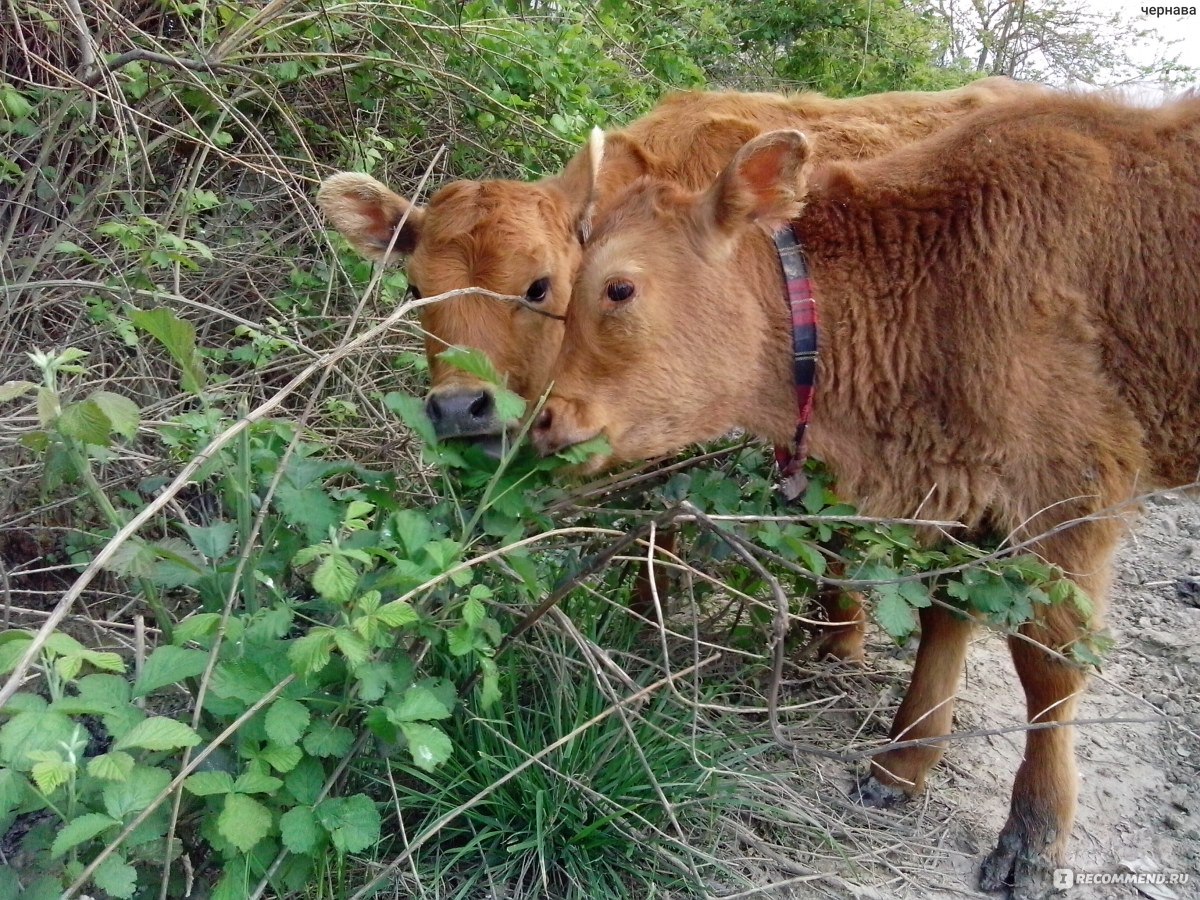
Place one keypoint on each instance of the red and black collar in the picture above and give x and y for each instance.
(803, 306)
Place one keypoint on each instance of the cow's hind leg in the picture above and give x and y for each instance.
(926, 712)
(1034, 840)
(845, 634)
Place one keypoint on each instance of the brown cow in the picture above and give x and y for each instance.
(522, 239)
(1009, 337)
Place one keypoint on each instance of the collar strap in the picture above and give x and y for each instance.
(803, 306)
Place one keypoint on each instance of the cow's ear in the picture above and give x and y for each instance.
(604, 165)
(764, 183)
(367, 213)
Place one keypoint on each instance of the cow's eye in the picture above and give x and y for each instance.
(620, 291)
(414, 291)
(538, 290)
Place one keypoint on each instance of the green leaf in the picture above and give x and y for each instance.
(916, 593)
(325, 739)
(413, 529)
(159, 733)
(243, 821)
(286, 721)
(122, 413)
(353, 647)
(169, 665)
(299, 830)
(352, 822)
(895, 616)
(411, 411)
(179, 339)
(311, 653)
(126, 798)
(116, 877)
(255, 781)
(33, 731)
(80, 829)
(335, 579)
(114, 766)
(509, 406)
(583, 451)
(12, 791)
(305, 781)
(418, 705)
(85, 421)
(50, 771)
(489, 689)
(204, 784)
(196, 626)
(473, 612)
(397, 614)
(214, 540)
(12, 650)
(281, 759)
(428, 745)
(11, 390)
(473, 362)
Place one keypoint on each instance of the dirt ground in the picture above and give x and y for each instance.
(1139, 802)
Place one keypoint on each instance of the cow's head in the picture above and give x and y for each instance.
(515, 238)
(666, 341)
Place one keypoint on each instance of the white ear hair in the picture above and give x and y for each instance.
(595, 149)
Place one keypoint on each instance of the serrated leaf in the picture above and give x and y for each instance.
(305, 781)
(169, 665)
(125, 798)
(11, 390)
(281, 759)
(428, 744)
(159, 733)
(85, 421)
(204, 784)
(413, 529)
(311, 653)
(116, 877)
(11, 653)
(179, 339)
(335, 579)
(194, 627)
(80, 829)
(50, 771)
(122, 413)
(325, 739)
(105, 660)
(473, 362)
(353, 647)
(585, 450)
(12, 790)
(214, 540)
(33, 731)
(352, 822)
(286, 721)
(397, 614)
(256, 781)
(895, 616)
(298, 829)
(411, 411)
(243, 821)
(114, 766)
(418, 705)
(473, 612)
(916, 593)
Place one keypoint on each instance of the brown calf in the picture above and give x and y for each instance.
(1009, 336)
(523, 238)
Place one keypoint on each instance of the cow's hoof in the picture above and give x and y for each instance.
(870, 791)
(1014, 866)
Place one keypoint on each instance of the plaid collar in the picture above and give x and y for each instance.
(803, 307)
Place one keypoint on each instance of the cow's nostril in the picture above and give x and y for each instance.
(481, 406)
(433, 409)
(544, 420)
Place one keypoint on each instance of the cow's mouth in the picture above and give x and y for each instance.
(493, 445)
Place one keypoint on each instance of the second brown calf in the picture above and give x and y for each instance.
(1009, 336)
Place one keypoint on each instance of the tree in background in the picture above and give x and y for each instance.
(1053, 41)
